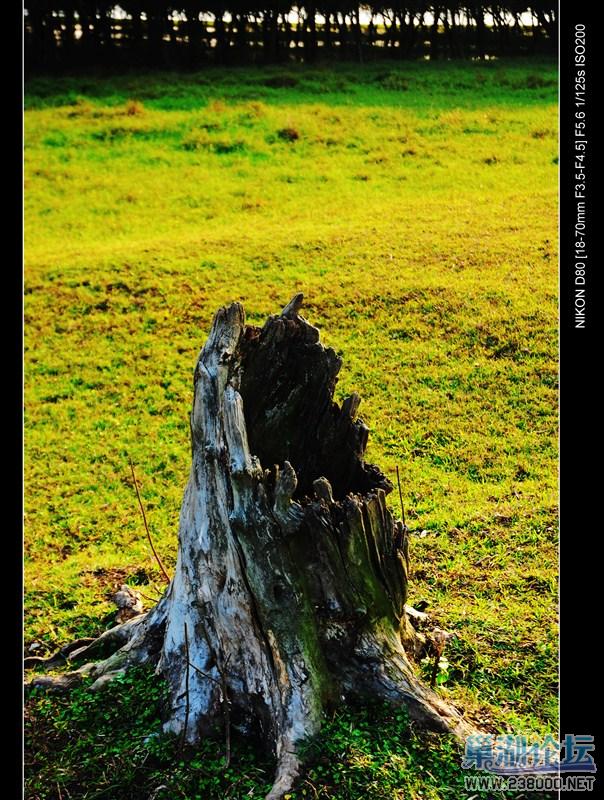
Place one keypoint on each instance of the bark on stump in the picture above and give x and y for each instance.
(291, 578)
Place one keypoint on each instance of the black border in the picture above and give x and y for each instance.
(580, 579)
(12, 280)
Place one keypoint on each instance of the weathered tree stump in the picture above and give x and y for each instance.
(291, 579)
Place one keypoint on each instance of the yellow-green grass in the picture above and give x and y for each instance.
(417, 211)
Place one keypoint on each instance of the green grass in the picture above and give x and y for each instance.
(108, 745)
(417, 211)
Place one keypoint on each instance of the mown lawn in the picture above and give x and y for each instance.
(415, 205)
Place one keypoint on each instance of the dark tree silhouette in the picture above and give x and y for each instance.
(65, 33)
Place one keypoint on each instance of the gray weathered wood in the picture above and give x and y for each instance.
(291, 576)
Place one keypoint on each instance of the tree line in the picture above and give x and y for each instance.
(65, 33)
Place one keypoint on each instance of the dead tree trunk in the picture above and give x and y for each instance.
(291, 579)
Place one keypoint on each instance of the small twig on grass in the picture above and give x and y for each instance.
(439, 640)
(226, 703)
(227, 716)
(400, 494)
(60, 657)
(434, 674)
(140, 503)
(150, 599)
(205, 674)
(187, 705)
(313, 787)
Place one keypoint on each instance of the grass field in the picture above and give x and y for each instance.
(415, 206)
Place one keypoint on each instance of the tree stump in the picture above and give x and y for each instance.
(291, 578)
